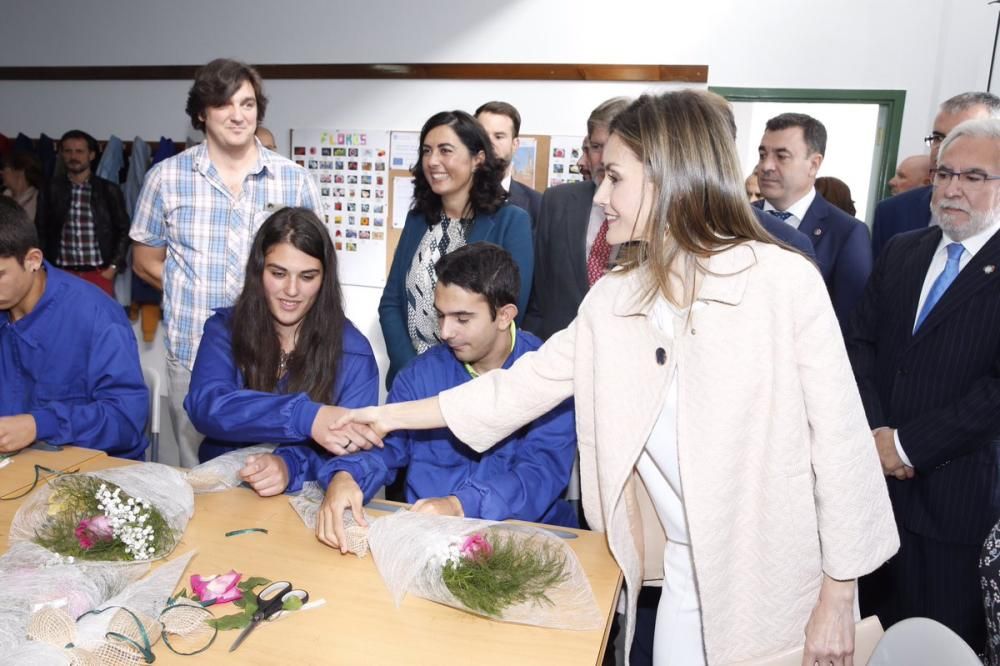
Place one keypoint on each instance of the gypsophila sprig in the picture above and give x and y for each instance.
(494, 570)
(90, 519)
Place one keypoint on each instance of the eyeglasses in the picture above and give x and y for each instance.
(933, 139)
(972, 179)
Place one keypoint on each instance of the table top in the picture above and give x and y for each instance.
(359, 623)
(19, 473)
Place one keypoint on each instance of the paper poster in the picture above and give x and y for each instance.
(564, 160)
(405, 150)
(524, 162)
(402, 196)
(351, 171)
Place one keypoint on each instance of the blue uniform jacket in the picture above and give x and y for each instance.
(522, 477)
(73, 364)
(509, 227)
(232, 416)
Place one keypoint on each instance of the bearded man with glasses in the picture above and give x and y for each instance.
(925, 347)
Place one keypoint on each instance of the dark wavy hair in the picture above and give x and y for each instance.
(487, 193)
(216, 83)
(313, 365)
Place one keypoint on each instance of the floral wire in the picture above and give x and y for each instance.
(164, 634)
(247, 530)
(145, 650)
(38, 472)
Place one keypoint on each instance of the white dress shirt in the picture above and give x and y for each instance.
(797, 209)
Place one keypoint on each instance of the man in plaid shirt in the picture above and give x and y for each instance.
(197, 215)
(82, 219)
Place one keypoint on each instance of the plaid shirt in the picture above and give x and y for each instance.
(78, 246)
(207, 231)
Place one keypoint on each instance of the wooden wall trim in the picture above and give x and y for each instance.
(488, 71)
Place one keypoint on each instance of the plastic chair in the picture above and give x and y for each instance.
(920, 641)
(154, 384)
(867, 633)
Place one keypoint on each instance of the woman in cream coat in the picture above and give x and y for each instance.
(714, 398)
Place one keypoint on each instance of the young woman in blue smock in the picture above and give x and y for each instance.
(282, 364)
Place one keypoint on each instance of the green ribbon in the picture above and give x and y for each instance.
(145, 649)
(39, 469)
(248, 530)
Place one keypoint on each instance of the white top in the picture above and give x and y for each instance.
(797, 209)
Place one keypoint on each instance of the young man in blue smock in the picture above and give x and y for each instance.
(69, 363)
(523, 477)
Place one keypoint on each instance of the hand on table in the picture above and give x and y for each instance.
(339, 435)
(342, 493)
(440, 506)
(17, 432)
(266, 473)
(892, 464)
(830, 630)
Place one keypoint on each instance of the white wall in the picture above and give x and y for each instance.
(930, 48)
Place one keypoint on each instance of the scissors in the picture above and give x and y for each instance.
(269, 602)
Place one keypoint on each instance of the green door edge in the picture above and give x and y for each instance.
(893, 100)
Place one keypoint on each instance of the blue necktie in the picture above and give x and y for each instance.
(781, 214)
(942, 282)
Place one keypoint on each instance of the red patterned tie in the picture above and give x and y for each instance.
(600, 252)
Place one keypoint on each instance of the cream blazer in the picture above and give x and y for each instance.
(780, 474)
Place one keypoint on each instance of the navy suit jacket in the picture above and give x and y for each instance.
(843, 253)
(527, 199)
(939, 387)
(903, 212)
(785, 232)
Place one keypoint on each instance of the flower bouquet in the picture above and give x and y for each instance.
(504, 571)
(125, 514)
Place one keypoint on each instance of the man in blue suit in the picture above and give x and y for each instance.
(791, 152)
(925, 347)
(503, 123)
(912, 210)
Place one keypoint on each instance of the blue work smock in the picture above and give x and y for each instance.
(522, 477)
(73, 364)
(231, 416)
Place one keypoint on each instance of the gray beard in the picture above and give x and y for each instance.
(977, 222)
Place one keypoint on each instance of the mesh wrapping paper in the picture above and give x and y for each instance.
(223, 472)
(162, 486)
(307, 504)
(407, 548)
(99, 638)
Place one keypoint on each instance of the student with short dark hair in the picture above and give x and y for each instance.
(524, 476)
(69, 363)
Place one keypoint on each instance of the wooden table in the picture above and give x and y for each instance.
(359, 623)
(20, 472)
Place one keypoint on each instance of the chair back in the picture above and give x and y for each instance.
(919, 641)
(154, 384)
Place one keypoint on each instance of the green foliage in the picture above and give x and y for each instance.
(519, 570)
(248, 603)
(73, 499)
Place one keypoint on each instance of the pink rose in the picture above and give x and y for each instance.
(92, 531)
(217, 589)
(476, 547)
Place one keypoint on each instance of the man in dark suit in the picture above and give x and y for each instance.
(503, 124)
(925, 347)
(570, 251)
(791, 152)
(912, 209)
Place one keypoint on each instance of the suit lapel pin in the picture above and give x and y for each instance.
(817, 232)
(989, 269)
